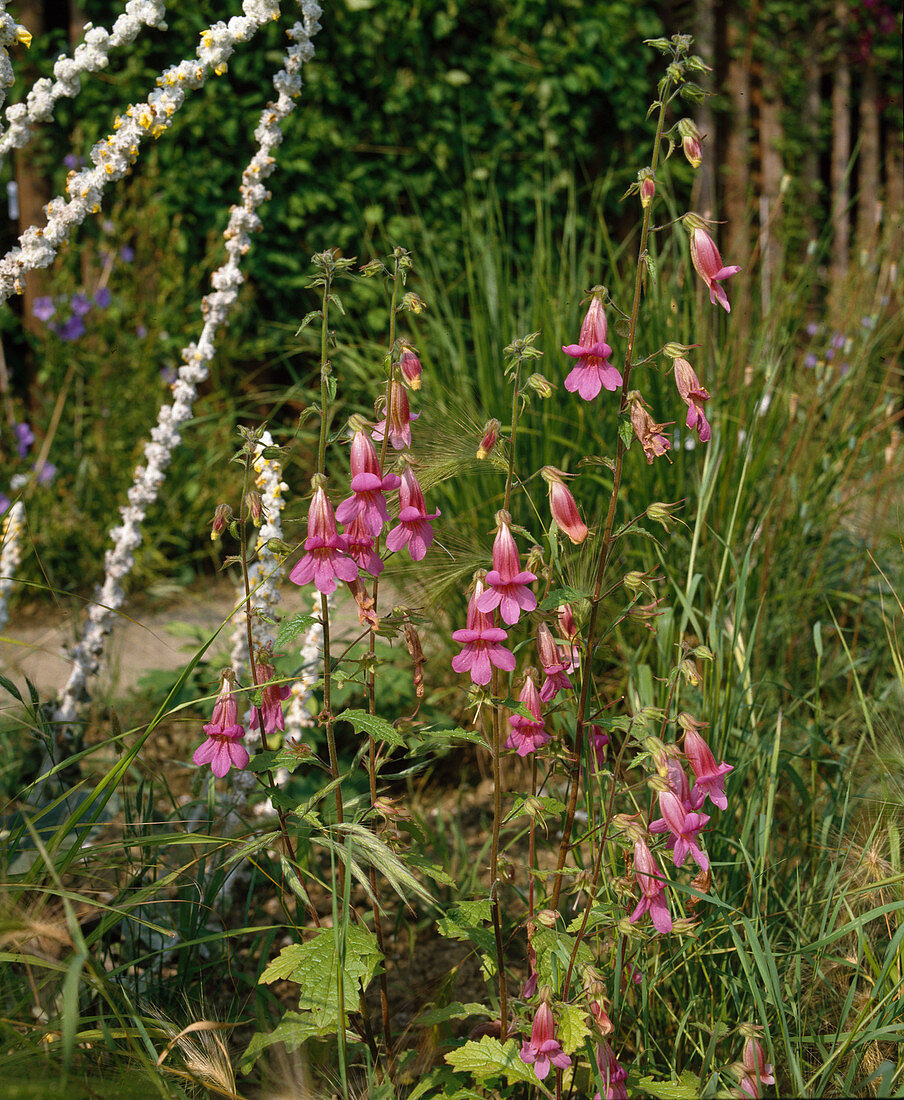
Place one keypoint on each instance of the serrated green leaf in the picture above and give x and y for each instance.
(466, 923)
(262, 761)
(418, 863)
(625, 432)
(538, 807)
(563, 595)
(378, 728)
(572, 1027)
(314, 967)
(291, 628)
(454, 1011)
(487, 1057)
(293, 1029)
(687, 1087)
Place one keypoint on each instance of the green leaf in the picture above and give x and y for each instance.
(489, 1058)
(538, 807)
(572, 1027)
(378, 728)
(554, 953)
(314, 967)
(291, 628)
(293, 1029)
(625, 432)
(565, 594)
(687, 1087)
(466, 922)
(454, 1011)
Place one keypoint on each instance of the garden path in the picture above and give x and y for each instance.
(148, 635)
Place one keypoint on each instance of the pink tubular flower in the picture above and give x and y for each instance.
(543, 1049)
(222, 750)
(593, 370)
(361, 547)
(554, 665)
(527, 734)
(272, 696)
(368, 486)
(482, 644)
(754, 1059)
(410, 366)
(710, 777)
(649, 878)
(683, 826)
(562, 505)
(326, 551)
(414, 528)
(679, 785)
(599, 742)
(506, 583)
(399, 417)
(614, 1076)
(708, 262)
(693, 395)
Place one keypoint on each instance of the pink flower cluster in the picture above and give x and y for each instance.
(330, 556)
(681, 819)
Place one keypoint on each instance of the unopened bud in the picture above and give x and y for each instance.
(689, 672)
(647, 186)
(279, 546)
(689, 722)
(534, 562)
(255, 506)
(413, 302)
(684, 926)
(635, 582)
(410, 366)
(704, 653)
(490, 438)
(540, 385)
(221, 517)
(690, 142)
(567, 624)
(676, 351)
(373, 267)
(547, 917)
(662, 513)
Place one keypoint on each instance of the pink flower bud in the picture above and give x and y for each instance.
(562, 505)
(490, 437)
(706, 259)
(410, 366)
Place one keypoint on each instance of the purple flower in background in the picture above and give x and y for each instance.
(810, 360)
(80, 304)
(73, 161)
(838, 340)
(830, 354)
(4, 503)
(812, 328)
(107, 226)
(46, 473)
(868, 322)
(127, 254)
(141, 332)
(168, 375)
(24, 438)
(72, 330)
(43, 308)
(103, 297)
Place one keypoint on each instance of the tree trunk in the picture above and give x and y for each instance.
(770, 190)
(868, 193)
(810, 165)
(736, 178)
(841, 156)
(703, 199)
